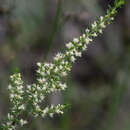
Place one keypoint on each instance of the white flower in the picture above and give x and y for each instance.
(112, 18)
(95, 35)
(29, 87)
(58, 56)
(38, 88)
(39, 64)
(69, 45)
(22, 107)
(51, 66)
(10, 116)
(100, 31)
(12, 96)
(84, 47)
(42, 97)
(83, 36)
(101, 18)
(64, 74)
(38, 71)
(40, 80)
(60, 67)
(9, 87)
(56, 70)
(102, 25)
(73, 58)
(80, 44)
(78, 54)
(94, 25)
(9, 123)
(23, 122)
(45, 110)
(76, 40)
(87, 40)
(87, 30)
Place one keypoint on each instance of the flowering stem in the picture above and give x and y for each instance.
(51, 76)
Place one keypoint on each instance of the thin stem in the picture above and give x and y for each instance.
(55, 26)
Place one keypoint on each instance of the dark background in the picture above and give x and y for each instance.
(99, 84)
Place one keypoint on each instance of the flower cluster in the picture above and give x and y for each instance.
(16, 97)
(47, 82)
(50, 77)
(48, 111)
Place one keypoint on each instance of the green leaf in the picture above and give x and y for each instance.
(119, 3)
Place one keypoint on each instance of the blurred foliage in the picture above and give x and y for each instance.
(34, 30)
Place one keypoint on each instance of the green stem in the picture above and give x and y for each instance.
(55, 26)
(116, 101)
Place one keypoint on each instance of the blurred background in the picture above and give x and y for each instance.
(99, 84)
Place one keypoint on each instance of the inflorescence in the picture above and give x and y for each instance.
(50, 77)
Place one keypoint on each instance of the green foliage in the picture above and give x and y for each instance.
(119, 3)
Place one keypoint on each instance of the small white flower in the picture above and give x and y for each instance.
(76, 40)
(29, 87)
(38, 71)
(102, 25)
(84, 36)
(40, 80)
(58, 56)
(10, 116)
(64, 74)
(100, 31)
(80, 44)
(78, 54)
(84, 47)
(37, 107)
(94, 25)
(39, 64)
(42, 97)
(101, 18)
(45, 110)
(95, 35)
(22, 107)
(9, 123)
(56, 70)
(73, 59)
(51, 66)
(38, 88)
(69, 45)
(51, 114)
(87, 30)
(87, 40)
(12, 96)
(23, 122)
(9, 87)
(60, 67)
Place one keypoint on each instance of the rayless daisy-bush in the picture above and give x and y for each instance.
(50, 76)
